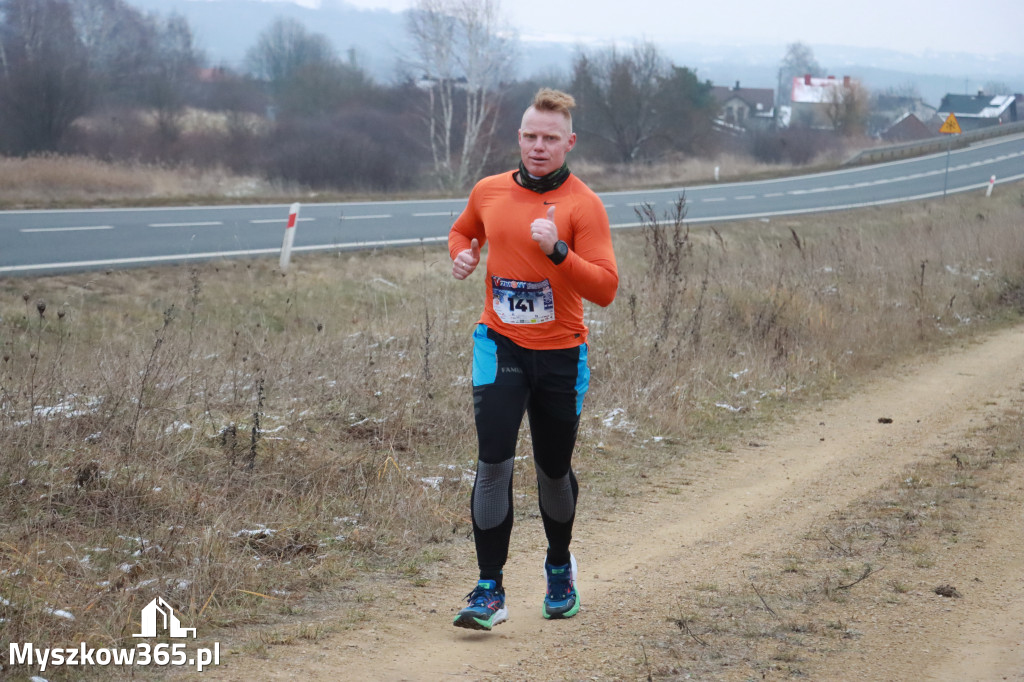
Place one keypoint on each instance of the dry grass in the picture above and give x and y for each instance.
(54, 181)
(691, 170)
(235, 440)
(735, 319)
(62, 181)
(687, 171)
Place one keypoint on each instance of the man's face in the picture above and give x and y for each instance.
(544, 140)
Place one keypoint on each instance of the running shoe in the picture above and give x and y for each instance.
(486, 607)
(561, 600)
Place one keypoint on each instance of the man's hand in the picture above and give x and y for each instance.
(467, 260)
(544, 232)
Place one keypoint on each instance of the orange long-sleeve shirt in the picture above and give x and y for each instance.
(530, 300)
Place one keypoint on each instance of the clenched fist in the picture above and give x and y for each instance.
(467, 260)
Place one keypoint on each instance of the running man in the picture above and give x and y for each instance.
(549, 247)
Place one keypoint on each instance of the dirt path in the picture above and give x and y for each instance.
(704, 523)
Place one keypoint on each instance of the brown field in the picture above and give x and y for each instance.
(254, 446)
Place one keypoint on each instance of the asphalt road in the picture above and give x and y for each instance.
(47, 242)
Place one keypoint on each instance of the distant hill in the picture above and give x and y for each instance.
(226, 29)
(933, 74)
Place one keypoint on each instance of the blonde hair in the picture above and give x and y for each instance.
(556, 101)
(547, 99)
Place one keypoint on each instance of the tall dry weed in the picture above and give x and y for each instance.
(767, 311)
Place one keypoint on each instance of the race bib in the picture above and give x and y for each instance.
(523, 302)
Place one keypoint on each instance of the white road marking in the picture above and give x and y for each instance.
(185, 257)
(842, 207)
(67, 229)
(209, 224)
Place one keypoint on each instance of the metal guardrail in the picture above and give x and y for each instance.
(933, 144)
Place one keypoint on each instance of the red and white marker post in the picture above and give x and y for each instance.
(991, 184)
(289, 236)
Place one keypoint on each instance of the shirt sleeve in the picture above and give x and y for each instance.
(467, 227)
(590, 268)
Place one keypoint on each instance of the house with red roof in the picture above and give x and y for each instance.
(811, 97)
(909, 128)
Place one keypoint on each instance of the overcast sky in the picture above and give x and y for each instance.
(915, 26)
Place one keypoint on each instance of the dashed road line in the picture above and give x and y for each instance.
(67, 229)
(209, 224)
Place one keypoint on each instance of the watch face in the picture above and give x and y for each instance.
(559, 253)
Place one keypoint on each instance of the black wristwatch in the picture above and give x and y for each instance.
(560, 253)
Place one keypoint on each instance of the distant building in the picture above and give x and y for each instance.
(889, 112)
(750, 108)
(908, 129)
(811, 98)
(979, 111)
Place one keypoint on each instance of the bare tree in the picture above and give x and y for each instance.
(120, 44)
(463, 52)
(617, 93)
(285, 48)
(847, 108)
(44, 82)
(173, 72)
(798, 61)
(686, 111)
(326, 89)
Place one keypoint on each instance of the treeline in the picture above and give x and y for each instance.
(101, 78)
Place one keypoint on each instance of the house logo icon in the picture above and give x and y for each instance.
(159, 616)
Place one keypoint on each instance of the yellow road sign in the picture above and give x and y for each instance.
(951, 125)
